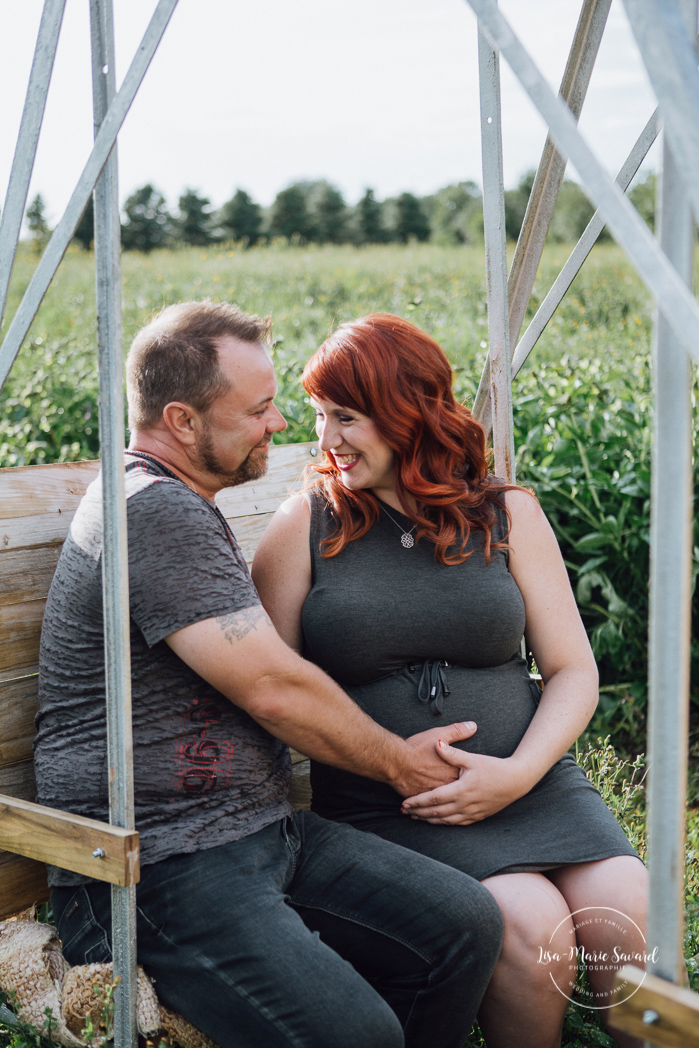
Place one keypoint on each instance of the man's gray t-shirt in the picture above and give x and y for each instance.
(205, 773)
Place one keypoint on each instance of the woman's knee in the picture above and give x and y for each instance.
(539, 938)
(617, 884)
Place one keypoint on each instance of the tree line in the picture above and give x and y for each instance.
(316, 212)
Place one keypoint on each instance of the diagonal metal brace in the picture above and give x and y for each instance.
(544, 193)
(63, 233)
(576, 80)
(29, 128)
(671, 61)
(675, 300)
(582, 249)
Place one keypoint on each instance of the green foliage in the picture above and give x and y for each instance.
(193, 223)
(411, 221)
(85, 232)
(585, 449)
(455, 214)
(516, 201)
(369, 221)
(290, 216)
(36, 220)
(571, 214)
(642, 196)
(148, 223)
(329, 214)
(621, 782)
(241, 218)
(582, 404)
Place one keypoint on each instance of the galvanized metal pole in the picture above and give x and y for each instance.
(670, 582)
(115, 568)
(582, 249)
(675, 300)
(496, 259)
(544, 193)
(25, 152)
(669, 54)
(549, 176)
(63, 233)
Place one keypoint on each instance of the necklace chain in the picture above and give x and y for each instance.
(407, 540)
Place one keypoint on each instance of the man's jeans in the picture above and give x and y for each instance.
(307, 934)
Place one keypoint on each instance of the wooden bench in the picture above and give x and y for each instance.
(37, 504)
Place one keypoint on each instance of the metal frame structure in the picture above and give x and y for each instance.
(666, 32)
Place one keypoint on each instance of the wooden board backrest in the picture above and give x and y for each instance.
(37, 504)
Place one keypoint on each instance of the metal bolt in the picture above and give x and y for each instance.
(314, 452)
(650, 1018)
(98, 853)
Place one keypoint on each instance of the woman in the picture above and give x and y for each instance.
(407, 572)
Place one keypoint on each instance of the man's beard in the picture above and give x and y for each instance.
(252, 468)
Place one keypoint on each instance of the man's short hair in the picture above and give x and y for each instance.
(175, 357)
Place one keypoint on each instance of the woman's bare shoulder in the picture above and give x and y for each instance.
(289, 527)
(523, 503)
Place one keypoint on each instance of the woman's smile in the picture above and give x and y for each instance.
(345, 462)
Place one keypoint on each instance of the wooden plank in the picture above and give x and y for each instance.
(22, 883)
(37, 503)
(636, 994)
(20, 633)
(26, 574)
(283, 477)
(300, 789)
(69, 841)
(18, 780)
(35, 490)
(18, 705)
(46, 529)
(248, 531)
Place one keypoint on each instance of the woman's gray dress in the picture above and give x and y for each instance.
(418, 644)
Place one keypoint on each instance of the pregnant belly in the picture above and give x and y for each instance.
(501, 700)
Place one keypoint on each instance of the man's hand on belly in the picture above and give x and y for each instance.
(429, 769)
(485, 785)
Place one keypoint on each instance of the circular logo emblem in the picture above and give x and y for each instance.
(619, 941)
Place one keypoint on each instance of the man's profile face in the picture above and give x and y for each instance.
(236, 431)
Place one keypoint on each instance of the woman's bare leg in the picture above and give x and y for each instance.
(609, 902)
(522, 1005)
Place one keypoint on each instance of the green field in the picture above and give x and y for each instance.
(49, 408)
(582, 416)
(581, 402)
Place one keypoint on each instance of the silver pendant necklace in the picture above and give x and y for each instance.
(406, 539)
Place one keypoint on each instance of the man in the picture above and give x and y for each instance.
(261, 925)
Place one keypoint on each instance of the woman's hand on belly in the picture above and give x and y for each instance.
(485, 786)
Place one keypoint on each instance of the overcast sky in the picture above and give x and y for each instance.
(380, 93)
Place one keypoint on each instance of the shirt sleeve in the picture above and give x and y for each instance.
(184, 563)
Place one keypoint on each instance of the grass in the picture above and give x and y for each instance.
(582, 402)
(50, 403)
(582, 408)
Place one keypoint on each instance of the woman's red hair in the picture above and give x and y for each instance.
(386, 368)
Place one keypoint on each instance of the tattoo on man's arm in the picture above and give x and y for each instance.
(237, 624)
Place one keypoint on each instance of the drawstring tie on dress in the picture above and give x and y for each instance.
(433, 684)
